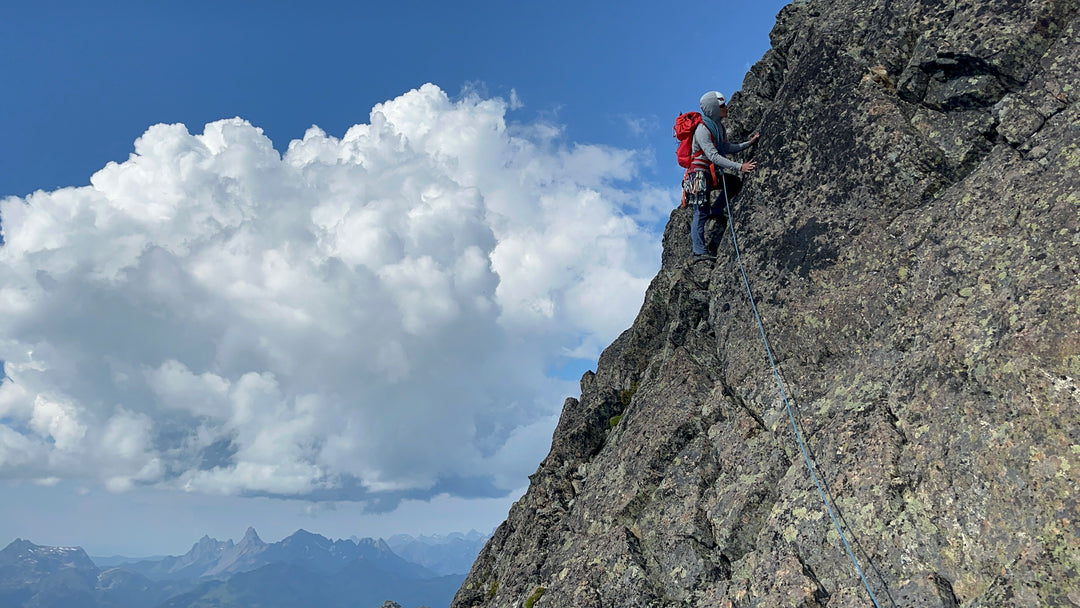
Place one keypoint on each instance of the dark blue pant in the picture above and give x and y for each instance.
(703, 212)
(697, 229)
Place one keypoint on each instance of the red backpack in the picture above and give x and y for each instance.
(685, 125)
(684, 132)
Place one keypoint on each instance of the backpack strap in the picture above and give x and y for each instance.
(717, 134)
(714, 130)
(719, 138)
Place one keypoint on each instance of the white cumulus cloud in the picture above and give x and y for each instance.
(367, 317)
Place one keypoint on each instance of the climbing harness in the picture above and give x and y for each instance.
(787, 404)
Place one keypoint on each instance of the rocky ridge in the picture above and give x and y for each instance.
(912, 236)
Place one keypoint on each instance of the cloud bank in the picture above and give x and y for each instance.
(366, 318)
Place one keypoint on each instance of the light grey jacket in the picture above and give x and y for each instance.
(703, 140)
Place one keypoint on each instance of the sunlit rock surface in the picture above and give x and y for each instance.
(912, 236)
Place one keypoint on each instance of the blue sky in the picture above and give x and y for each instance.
(364, 328)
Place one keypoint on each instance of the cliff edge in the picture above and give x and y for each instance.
(912, 237)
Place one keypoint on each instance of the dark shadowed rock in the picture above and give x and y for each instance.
(912, 236)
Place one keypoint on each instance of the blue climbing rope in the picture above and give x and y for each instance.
(787, 404)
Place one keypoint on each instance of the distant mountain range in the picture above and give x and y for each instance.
(301, 570)
(211, 558)
(65, 577)
(450, 554)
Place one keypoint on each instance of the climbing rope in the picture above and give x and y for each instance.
(787, 404)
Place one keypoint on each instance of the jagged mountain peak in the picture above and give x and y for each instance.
(251, 538)
(912, 239)
(206, 542)
(377, 545)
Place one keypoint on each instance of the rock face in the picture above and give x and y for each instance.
(912, 236)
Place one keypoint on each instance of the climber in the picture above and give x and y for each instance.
(709, 146)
